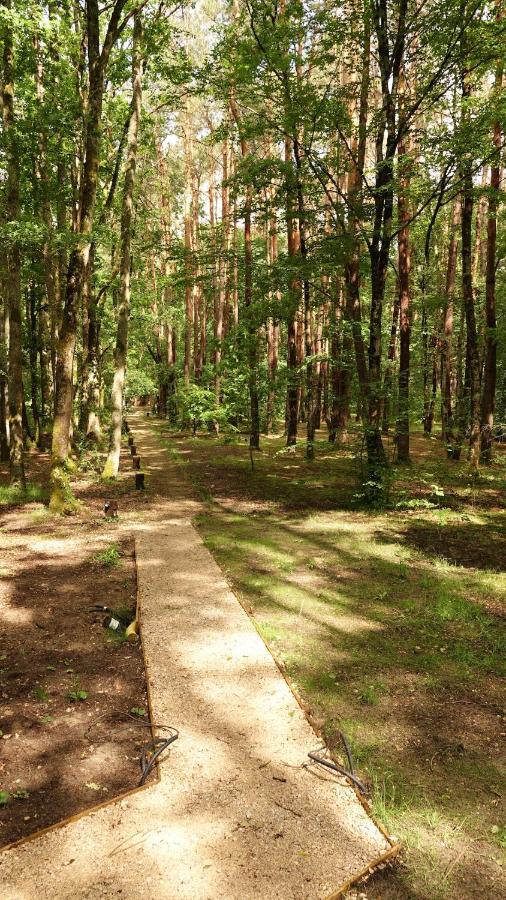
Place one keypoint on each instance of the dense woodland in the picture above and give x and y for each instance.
(266, 215)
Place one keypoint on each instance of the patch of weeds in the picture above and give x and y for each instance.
(138, 711)
(375, 488)
(40, 693)
(77, 693)
(47, 720)
(109, 557)
(498, 833)
(269, 632)
(14, 494)
(7, 796)
(371, 694)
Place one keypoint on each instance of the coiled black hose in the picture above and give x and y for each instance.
(155, 748)
(330, 764)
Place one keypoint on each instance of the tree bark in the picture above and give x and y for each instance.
(120, 358)
(404, 266)
(12, 285)
(61, 496)
(254, 440)
(490, 370)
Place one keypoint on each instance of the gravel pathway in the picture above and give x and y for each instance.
(234, 814)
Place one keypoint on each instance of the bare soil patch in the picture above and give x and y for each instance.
(67, 685)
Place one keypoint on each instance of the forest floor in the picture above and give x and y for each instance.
(68, 737)
(237, 810)
(388, 624)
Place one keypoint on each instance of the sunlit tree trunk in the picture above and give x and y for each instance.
(254, 440)
(473, 360)
(4, 400)
(447, 378)
(61, 497)
(404, 268)
(117, 394)
(12, 283)
(490, 370)
(294, 299)
(188, 201)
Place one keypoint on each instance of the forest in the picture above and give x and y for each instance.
(273, 231)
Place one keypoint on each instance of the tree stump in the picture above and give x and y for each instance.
(139, 481)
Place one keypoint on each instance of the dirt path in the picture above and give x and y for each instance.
(235, 814)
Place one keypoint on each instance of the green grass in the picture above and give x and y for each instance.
(109, 557)
(385, 639)
(15, 495)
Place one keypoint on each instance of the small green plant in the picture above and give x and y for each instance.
(77, 694)
(369, 695)
(138, 711)
(109, 557)
(47, 720)
(40, 693)
(7, 796)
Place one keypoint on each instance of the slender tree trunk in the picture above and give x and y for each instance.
(254, 440)
(446, 354)
(31, 321)
(490, 372)
(404, 262)
(188, 200)
(4, 399)
(12, 284)
(294, 296)
(117, 394)
(392, 352)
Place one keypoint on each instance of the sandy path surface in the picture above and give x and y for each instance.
(235, 814)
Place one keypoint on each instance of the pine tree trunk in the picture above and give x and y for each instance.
(447, 422)
(12, 284)
(404, 267)
(490, 371)
(120, 357)
(254, 440)
(61, 497)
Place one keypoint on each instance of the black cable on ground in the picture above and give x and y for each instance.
(155, 748)
(330, 764)
(152, 750)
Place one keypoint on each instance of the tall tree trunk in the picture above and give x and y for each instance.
(340, 372)
(222, 292)
(117, 394)
(4, 399)
(404, 262)
(446, 353)
(294, 297)
(254, 440)
(61, 497)
(188, 201)
(473, 360)
(490, 372)
(392, 352)
(12, 285)
(31, 321)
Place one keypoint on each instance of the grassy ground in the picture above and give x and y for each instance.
(388, 624)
